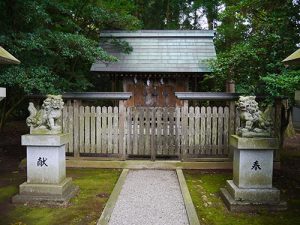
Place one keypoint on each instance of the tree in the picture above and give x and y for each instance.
(253, 38)
(177, 14)
(56, 41)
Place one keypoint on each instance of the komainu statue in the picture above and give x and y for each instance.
(254, 123)
(47, 119)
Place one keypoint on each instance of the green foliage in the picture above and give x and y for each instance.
(30, 79)
(56, 42)
(252, 40)
(285, 83)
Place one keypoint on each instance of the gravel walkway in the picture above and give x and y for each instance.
(150, 197)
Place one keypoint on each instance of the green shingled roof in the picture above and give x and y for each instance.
(7, 58)
(165, 51)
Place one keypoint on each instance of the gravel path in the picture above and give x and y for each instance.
(150, 197)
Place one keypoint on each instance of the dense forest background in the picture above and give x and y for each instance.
(57, 41)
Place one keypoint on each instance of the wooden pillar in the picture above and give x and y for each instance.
(76, 105)
(230, 87)
(184, 136)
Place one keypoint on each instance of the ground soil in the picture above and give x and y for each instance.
(290, 157)
(292, 144)
(11, 151)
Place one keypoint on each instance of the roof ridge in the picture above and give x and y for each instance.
(157, 33)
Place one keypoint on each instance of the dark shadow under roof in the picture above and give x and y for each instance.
(155, 51)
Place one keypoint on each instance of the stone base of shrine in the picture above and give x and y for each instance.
(251, 199)
(50, 194)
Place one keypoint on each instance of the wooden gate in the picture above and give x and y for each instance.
(152, 131)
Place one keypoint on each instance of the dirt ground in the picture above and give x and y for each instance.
(11, 151)
(292, 144)
(290, 158)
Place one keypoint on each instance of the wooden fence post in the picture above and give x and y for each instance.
(153, 128)
(184, 135)
(231, 125)
(230, 87)
(122, 121)
(76, 131)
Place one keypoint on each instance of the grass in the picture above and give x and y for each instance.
(95, 187)
(204, 188)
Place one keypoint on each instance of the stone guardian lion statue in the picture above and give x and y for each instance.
(47, 119)
(254, 122)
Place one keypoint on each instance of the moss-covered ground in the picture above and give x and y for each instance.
(205, 187)
(95, 187)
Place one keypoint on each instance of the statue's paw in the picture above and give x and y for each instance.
(56, 128)
(258, 130)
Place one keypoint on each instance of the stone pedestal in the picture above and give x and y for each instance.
(2, 93)
(46, 171)
(251, 188)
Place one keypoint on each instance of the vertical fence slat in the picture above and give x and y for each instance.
(191, 128)
(153, 134)
(172, 131)
(129, 131)
(165, 132)
(159, 131)
(109, 129)
(214, 130)
(98, 129)
(87, 122)
(178, 132)
(81, 129)
(115, 130)
(184, 136)
(122, 127)
(208, 130)
(197, 130)
(203, 128)
(220, 130)
(226, 129)
(93, 134)
(76, 129)
(135, 130)
(104, 129)
(147, 131)
(141, 137)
